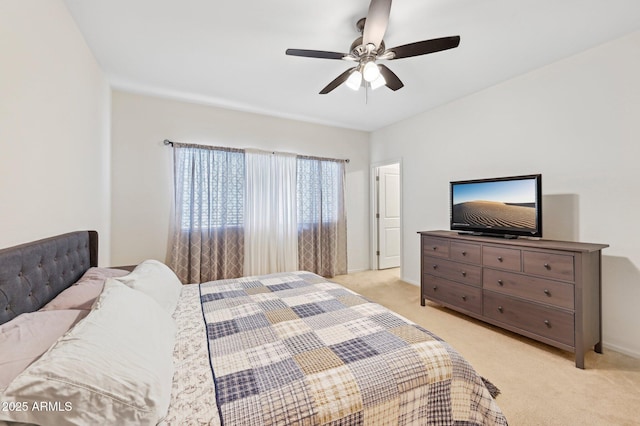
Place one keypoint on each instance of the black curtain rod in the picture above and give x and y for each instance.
(170, 143)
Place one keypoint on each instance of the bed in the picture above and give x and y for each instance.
(120, 347)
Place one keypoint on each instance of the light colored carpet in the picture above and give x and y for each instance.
(540, 384)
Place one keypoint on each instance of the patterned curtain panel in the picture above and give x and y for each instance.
(208, 237)
(322, 221)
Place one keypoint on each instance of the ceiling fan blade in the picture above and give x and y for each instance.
(424, 47)
(376, 23)
(315, 54)
(337, 81)
(393, 82)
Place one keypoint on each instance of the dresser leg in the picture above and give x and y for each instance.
(422, 301)
(580, 358)
(598, 347)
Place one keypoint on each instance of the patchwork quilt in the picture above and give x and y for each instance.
(296, 349)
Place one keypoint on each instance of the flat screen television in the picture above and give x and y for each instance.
(506, 206)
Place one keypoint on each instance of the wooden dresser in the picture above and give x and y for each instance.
(546, 290)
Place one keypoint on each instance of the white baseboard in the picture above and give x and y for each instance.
(412, 282)
(353, 271)
(621, 349)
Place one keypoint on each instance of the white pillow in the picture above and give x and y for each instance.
(26, 337)
(115, 367)
(157, 280)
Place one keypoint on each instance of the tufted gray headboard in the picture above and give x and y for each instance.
(32, 274)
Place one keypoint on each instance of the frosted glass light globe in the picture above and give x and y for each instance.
(354, 81)
(378, 82)
(370, 71)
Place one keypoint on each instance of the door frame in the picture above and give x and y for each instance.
(373, 223)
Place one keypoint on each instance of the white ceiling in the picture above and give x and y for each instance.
(231, 53)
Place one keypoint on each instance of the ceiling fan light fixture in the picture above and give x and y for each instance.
(354, 81)
(378, 82)
(370, 47)
(370, 71)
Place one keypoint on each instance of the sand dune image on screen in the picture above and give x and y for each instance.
(495, 214)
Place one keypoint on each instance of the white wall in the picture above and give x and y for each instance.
(142, 166)
(578, 123)
(54, 127)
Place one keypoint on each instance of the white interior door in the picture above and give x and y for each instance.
(389, 216)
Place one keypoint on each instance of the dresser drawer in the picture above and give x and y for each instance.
(546, 291)
(465, 252)
(544, 321)
(452, 293)
(503, 258)
(457, 271)
(435, 246)
(551, 265)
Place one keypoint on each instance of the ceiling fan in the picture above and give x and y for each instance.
(369, 48)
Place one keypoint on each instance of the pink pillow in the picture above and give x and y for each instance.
(26, 337)
(82, 294)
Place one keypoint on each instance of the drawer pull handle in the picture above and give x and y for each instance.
(435, 287)
(464, 298)
(547, 323)
(547, 266)
(464, 273)
(434, 248)
(500, 283)
(435, 266)
(547, 292)
(500, 309)
(464, 253)
(499, 258)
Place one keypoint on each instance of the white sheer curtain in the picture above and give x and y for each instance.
(271, 228)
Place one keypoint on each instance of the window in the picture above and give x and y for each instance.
(319, 190)
(213, 188)
(212, 235)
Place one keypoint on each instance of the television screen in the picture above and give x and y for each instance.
(503, 206)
